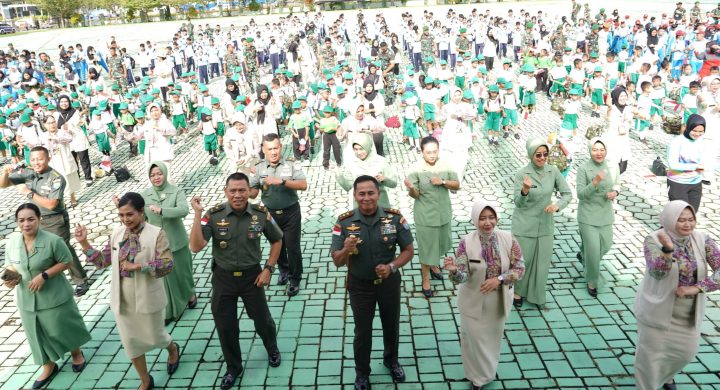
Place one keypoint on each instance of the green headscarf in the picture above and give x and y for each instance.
(163, 168)
(592, 143)
(532, 146)
(365, 141)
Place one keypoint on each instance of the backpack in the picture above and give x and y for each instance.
(132, 62)
(658, 168)
(393, 122)
(122, 174)
(672, 124)
(557, 157)
(593, 131)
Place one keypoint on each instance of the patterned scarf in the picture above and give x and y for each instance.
(129, 247)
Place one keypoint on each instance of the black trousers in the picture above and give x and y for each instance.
(328, 141)
(82, 158)
(59, 225)
(290, 260)
(227, 288)
(378, 139)
(691, 193)
(363, 298)
(296, 145)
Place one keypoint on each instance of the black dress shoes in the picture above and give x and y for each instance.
(228, 380)
(592, 291)
(396, 371)
(42, 383)
(362, 382)
(172, 367)
(274, 358)
(518, 302)
(282, 279)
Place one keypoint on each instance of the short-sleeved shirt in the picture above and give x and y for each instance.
(236, 235)
(277, 196)
(378, 235)
(433, 208)
(49, 184)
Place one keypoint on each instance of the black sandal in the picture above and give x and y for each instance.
(518, 302)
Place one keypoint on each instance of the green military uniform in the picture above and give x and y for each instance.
(587, 12)
(695, 13)
(679, 13)
(50, 318)
(283, 203)
(462, 44)
(427, 47)
(378, 236)
(236, 264)
(117, 72)
(532, 226)
(46, 67)
(593, 44)
(557, 40)
(328, 56)
(51, 185)
(527, 39)
(716, 12)
(575, 11)
(231, 63)
(251, 66)
(386, 58)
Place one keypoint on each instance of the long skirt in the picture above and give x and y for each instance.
(537, 252)
(480, 339)
(596, 242)
(53, 332)
(139, 332)
(179, 284)
(661, 354)
(433, 243)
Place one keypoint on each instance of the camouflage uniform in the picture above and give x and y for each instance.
(115, 65)
(45, 67)
(695, 13)
(231, 63)
(462, 44)
(385, 59)
(312, 40)
(592, 46)
(587, 12)
(557, 40)
(328, 56)
(575, 11)
(251, 59)
(190, 30)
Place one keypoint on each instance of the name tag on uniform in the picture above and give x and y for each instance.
(286, 171)
(223, 231)
(388, 228)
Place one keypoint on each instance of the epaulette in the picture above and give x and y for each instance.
(346, 215)
(55, 173)
(259, 208)
(393, 211)
(216, 208)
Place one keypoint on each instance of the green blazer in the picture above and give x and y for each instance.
(48, 250)
(594, 208)
(529, 218)
(175, 208)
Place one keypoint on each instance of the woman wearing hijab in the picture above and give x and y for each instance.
(139, 255)
(365, 161)
(620, 119)
(685, 163)
(374, 106)
(232, 91)
(597, 187)
(429, 183)
(293, 60)
(533, 221)
(69, 119)
(57, 142)
(165, 207)
(670, 304)
(157, 133)
(263, 113)
(457, 136)
(487, 264)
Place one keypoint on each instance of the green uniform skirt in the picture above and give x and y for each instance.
(433, 242)
(656, 109)
(570, 121)
(111, 127)
(510, 118)
(103, 143)
(537, 252)
(596, 242)
(429, 112)
(53, 332)
(558, 86)
(410, 128)
(179, 284)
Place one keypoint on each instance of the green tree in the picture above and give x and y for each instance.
(61, 9)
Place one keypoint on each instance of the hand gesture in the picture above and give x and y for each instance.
(489, 285)
(11, 283)
(665, 240)
(36, 283)
(687, 291)
(154, 209)
(80, 233)
(449, 264)
(551, 208)
(196, 205)
(436, 181)
(408, 184)
(24, 190)
(116, 200)
(351, 243)
(380, 177)
(382, 271)
(127, 266)
(263, 279)
(272, 180)
(611, 195)
(527, 184)
(598, 178)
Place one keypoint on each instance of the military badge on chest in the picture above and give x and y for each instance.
(255, 228)
(354, 231)
(223, 227)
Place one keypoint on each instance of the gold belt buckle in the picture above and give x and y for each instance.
(377, 281)
(237, 274)
(278, 212)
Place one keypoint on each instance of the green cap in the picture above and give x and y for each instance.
(328, 109)
(139, 114)
(429, 79)
(494, 88)
(25, 118)
(508, 85)
(347, 76)
(203, 88)
(339, 90)
(74, 95)
(115, 87)
(296, 105)
(155, 91)
(75, 104)
(467, 94)
(443, 62)
(474, 80)
(463, 30)
(429, 60)
(594, 55)
(302, 97)
(123, 106)
(574, 92)
(2, 120)
(99, 87)
(96, 113)
(51, 107)
(249, 39)
(214, 100)
(598, 69)
(103, 105)
(507, 61)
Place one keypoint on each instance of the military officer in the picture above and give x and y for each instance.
(230, 61)
(280, 182)
(44, 187)
(251, 63)
(235, 228)
(593, 44)
(328, 55)
(427, 46)
(365, 240)
(116, 68)
(679, 11)
(575, 11)
(695, 13)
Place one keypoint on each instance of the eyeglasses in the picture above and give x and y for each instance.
(541, 155)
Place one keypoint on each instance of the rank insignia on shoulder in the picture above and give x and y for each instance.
(393, 211)
(260, 208)
(346, 215)
(404, 223)
(216, 208)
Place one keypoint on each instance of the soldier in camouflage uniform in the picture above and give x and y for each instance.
(116, 68)
(695, 13)
(557, 40)
(312, 39)
(386, 56)
(592, 45)
(328, 56)
(587, 12)
(230, 61)
(47, 67)
(600, 16)
(527, 38)
(251, 64)
(576, 7)
(462, 43)
(427, 46)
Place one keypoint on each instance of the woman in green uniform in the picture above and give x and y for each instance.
(429, 183)
(364, 161)
(35, 261)
(165, 207)
(532, 220)
(597, 188)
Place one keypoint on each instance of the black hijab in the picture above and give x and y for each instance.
(693, 121)
(615, 95)
(265, 102)
(369, 96)
(235, 92)
(65, 114)
(293, 50)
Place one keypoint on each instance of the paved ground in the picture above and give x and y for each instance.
(576, 342)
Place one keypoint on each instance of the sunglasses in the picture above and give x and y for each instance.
(541, 155)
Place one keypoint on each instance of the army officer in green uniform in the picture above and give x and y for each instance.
(235, 228)
(44, 187)
(50, 318)
(365, 239)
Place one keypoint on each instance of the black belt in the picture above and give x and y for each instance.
(282, 211)
(476, 261)
(241, 272)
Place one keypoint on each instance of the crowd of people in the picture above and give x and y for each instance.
(340, 83)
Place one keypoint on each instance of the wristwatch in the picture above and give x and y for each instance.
(443, 182)
(393, 268)
(269, 268)
(45, 275)
(30, 195)
(501, 278)
(282, 183)
(665, 249)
